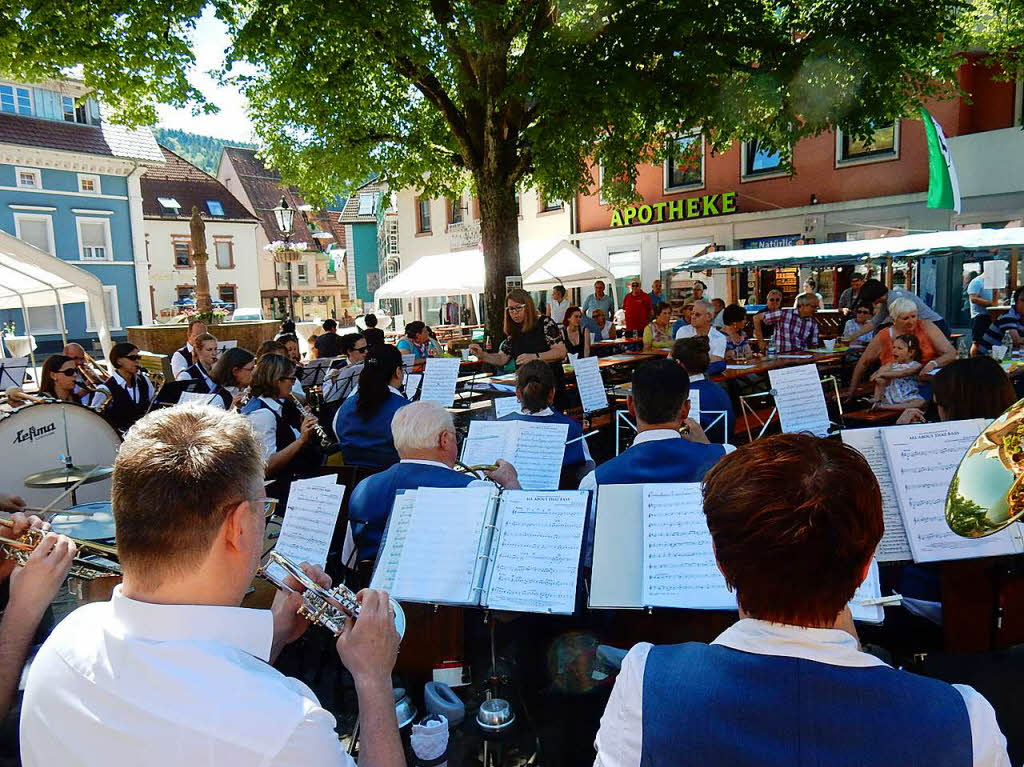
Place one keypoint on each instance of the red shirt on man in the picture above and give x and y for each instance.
(638, 310)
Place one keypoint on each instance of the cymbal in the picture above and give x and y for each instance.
(67, 476)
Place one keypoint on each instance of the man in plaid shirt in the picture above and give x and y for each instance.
(794, 328)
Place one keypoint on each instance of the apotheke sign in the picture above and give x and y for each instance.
(705, 206)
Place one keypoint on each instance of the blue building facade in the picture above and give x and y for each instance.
(69, 185)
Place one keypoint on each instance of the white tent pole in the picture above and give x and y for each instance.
(60, 316)
(28, 335)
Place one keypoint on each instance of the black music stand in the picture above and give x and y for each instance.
(12, 371)
(171, 392)
(315, 371)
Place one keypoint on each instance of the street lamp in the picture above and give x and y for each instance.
(284, 215)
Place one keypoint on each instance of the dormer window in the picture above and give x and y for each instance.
(170, 205)
(215, 208)
(365, 205)
(29, 178)
(16, 100)
(72, 113)
(88, 183)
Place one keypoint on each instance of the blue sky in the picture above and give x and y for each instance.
(210, 40)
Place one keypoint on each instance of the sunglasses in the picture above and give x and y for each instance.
(133, 357)
(360, 349)
(69, 373)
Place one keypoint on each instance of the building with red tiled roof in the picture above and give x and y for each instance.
(169, 194)
(320, 278)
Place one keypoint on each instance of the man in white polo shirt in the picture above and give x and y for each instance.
(701, 325)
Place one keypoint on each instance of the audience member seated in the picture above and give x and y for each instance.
(574, 333)
(794, 328)
(363, 422)
(658, 333)
(416, 341)
(601, 329)
(535, 390)
(772, 302)
(660, 404)
(692, 354)
(424, 435)
(859, 329)
(875, 294)
(734, 323)
(684, 318)
(1011, 322)
(977, 387)
(794, 521)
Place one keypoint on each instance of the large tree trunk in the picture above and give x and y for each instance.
(499, 238)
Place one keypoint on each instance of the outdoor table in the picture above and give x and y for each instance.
(20, 346)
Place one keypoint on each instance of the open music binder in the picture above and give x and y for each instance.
(535, 449)
(516, 550)
(914, 466)
(652, 548)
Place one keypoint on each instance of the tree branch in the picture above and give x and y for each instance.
(442, 10)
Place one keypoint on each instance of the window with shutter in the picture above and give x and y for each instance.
(35, 230)
(93, 239)
(225, 259)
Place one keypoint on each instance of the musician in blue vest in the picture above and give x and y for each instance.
(204, 356)
(342, 381)
(659, 403)
(232, 373)
(287, 438)
(424, 435)
(535, 390)
(795, 521)
(363, 422)
(694, 355)
(183, 358)
(130, 391)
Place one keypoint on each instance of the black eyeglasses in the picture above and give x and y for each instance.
(133, 357)
(360, 349)
(69, 373)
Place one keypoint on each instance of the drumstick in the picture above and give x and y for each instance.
(72, 510)
(67, 492)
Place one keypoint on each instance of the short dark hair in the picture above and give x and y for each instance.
(1018, 293)
(192, 323)
(348, 342)
(225, 366)
(370, 320)
(287, 326)
(693, 353)
(733, 313)
(330, 325)
(701, 284)
(717, 301)
(660, 387)
(287, 338)
(870, 292)
(535, 381)
(414, 328)
(123, 349)
(912, 343)
(175, 478)
(976, 387)
(795, 520)
(270, 347)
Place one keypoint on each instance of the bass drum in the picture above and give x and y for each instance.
(33, 439)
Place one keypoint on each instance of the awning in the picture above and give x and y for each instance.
(30, 278)
(854, 251)
(545, 263)
(677, 257)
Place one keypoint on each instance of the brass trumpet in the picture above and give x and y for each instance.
(476, 470)
(92, 371)
(327, 608)
(21, 547)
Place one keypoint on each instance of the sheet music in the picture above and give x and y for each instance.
(923, 459)
(394, 541)
(695, 404)
(800, 401)
(679, 561)
(309, 520)
(413, 382)
(536, 565)
(442, 373)
(535, 449)
(202, 398)
(590, 385)
(869, 589)
(894, 546)
(408, 360)
(440, 559)
(223, 346)
(505, 405)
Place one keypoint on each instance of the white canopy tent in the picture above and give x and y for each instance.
(545, 264)
(31, 278)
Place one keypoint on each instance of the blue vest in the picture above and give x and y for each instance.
(372, 499)
(714, 397)
(574, 452)
(367, 442)
(710, 705)
(661, 461)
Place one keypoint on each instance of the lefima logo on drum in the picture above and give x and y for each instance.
(29, 434)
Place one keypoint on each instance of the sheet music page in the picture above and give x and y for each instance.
(223, 346)
(486, 442)
(442, 373)
(440, 561)
(413, 381)
(800, 400)
(309, 520)
(408, 360)
(505, 405)
(537, 450)
(394, 541)
(894, 546)
(679, 562)
(202, 398)
(869, 589)
(924, 459)
(590, 385)
(538, 553)
(695, 405)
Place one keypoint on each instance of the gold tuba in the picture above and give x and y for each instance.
(21, 547)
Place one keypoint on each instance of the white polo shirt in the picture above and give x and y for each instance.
(127, 683)
(716, 339)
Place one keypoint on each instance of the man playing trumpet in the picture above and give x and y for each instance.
(172, 671)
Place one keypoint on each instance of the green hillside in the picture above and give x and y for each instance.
(203, 151)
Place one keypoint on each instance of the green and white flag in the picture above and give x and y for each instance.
(943, 186)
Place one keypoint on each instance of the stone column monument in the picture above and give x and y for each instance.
(200, 258)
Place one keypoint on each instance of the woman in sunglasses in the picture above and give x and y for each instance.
(859, 329)
(58, 379)
(130, 392)
(288, 451)
(529, 335)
